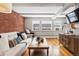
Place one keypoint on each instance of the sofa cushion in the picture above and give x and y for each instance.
(1, 53)
(4, 46)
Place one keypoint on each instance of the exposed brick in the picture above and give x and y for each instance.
(11, 22)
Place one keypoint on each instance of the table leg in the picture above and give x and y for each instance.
(47, 52)
(29, 52)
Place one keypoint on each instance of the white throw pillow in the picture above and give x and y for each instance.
(24, 36)
(27, 30)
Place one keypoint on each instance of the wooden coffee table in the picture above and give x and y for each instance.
(33, 48)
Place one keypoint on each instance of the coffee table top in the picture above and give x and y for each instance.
(34, 44)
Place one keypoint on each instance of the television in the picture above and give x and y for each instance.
(72, 17)
(77, 12)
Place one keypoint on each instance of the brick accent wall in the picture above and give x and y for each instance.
(11, 22)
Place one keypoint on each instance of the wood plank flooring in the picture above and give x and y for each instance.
(57, 50)
(62, 51)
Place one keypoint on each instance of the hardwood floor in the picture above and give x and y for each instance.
(56, 49)
(62, 51)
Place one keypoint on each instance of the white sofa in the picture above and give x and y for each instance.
(16, 51)
(5, 50)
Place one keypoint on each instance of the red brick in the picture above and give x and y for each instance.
(11, 22)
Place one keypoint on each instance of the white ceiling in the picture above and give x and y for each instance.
(42, 8)
(53, 9)
(38, 4)
(37, 8)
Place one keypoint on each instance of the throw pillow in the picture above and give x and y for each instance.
(27, 31)
(12, 43)
(18, 39)
(19, 34)
(24, 36)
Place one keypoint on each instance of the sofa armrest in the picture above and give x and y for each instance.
(17, 50)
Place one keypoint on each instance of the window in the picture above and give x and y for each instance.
(57, 25)
(35, 25)
(46, 25)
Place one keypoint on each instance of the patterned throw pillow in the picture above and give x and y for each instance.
(12, 43)
(18, 39)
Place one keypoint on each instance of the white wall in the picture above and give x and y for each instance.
(28, 24)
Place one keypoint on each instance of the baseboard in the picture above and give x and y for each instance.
(51, 37)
